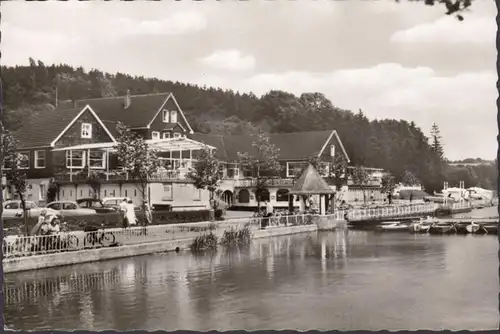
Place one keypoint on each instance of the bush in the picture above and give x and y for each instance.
(218, 214)
(233, 237)
(179, 217)
(205, 242)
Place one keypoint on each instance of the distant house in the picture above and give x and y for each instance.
(78, 136)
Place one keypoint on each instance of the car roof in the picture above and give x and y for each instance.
(16, 201)
(113, 198)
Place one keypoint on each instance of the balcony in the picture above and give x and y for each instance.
(118, 175)
(249, 183)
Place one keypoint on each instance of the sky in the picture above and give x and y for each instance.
(403, 61)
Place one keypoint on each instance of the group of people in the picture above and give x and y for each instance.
(48, 223)
(127, 210)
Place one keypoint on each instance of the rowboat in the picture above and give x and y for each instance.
(490, 228)
(392, 226)
(473, 227)
(442, 228)
(461, 227)
(421, 226)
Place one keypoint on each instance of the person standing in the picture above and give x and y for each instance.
(123, 212)
(130, 213)
(148, 216)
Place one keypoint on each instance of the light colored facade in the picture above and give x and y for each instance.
(81, 136)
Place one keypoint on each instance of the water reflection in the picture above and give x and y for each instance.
(354, 280)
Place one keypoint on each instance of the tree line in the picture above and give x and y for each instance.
(398, 146)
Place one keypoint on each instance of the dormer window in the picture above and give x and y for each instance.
(166, 116)
(86, 130)
(155, 135)
(166, 135)
(173, 116)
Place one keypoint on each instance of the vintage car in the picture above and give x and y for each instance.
(114, 202)
(13, 209)
(95, 204)
(69, 208)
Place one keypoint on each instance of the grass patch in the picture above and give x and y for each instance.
(204, 242)
(233, 237)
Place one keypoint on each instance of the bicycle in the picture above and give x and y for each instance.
(104, 239)
(69, 241)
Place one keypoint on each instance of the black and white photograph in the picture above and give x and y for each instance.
(249, 165)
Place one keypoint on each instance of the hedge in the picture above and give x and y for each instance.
(15, 226)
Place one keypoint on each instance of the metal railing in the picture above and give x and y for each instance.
(251, 182)
(391, 211)
(118, 175)
(22, 246)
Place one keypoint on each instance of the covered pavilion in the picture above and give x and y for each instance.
(311, 183)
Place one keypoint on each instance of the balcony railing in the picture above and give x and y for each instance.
(117, 175)
(246, 183)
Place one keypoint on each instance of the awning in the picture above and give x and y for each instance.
(176, 144)
(168, 144)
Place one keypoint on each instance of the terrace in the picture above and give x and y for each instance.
(176, 156)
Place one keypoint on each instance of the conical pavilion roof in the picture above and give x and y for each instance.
(311, 183)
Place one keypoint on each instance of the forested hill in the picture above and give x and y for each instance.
(390, 144)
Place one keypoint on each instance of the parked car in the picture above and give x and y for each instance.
(13, 209)
(95, 204)
(114, 202)
(69, 208)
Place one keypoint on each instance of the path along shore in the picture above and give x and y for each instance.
(153, 239)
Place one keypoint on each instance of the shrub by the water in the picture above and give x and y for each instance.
(204, 242)
(234, 237)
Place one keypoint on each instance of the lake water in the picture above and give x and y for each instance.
(337, 280)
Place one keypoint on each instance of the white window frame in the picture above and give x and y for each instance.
(177, 135)
(26, 153)
(70, 158)
(157, 133)
(166, 135)
(103, 161)
(332, 150)
(173, 116)
(288, 167)
(168, 194)
(42, 188)
(166, 116)
(236, 170)
(86, 130)
(37, 156)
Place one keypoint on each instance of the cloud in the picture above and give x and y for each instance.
(473, 30)
(175, 24)
(463, 105)
(231, 60)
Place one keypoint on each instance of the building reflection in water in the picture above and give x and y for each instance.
(234, 288)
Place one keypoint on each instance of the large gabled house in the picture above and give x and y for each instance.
(64, 144)
(295, 150)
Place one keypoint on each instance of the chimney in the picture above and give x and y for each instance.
(127, 99)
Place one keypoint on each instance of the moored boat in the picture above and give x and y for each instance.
(461, 227)
(392, 226)
(473, 227)
(422, 226)
(442, 228)
(490, 228)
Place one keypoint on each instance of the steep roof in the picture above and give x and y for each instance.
(311, 183)
(42, 127)
(292, 146)
(216, 141)
(141, 111)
